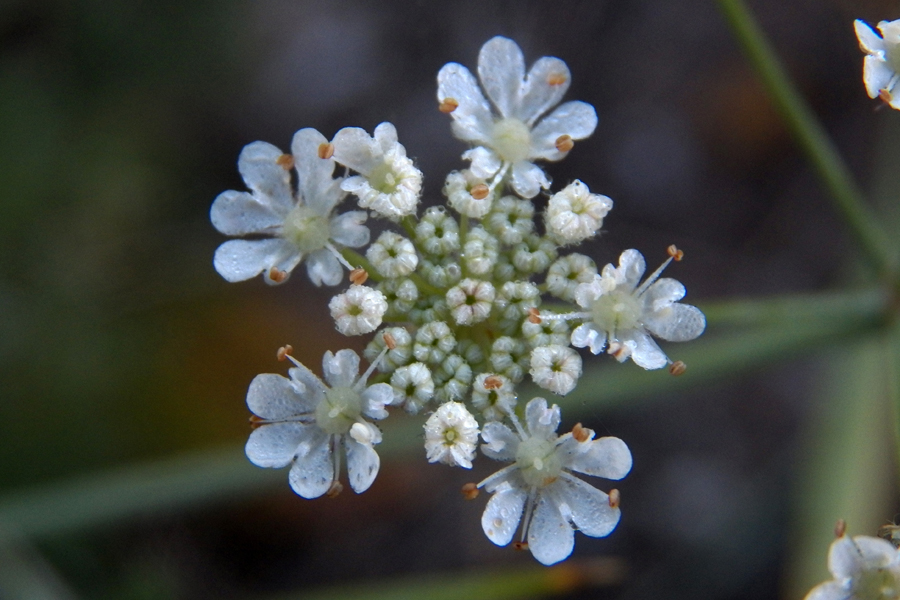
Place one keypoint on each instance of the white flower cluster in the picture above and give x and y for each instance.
(454, 298)
(864, 568)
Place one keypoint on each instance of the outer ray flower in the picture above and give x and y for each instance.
(540, 483)
(621, 314)
(864, 568)
(388, 183)
(881, 67)
(510, 137)
(303, 422)
(296, 226)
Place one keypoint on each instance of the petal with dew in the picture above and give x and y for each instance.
(587, 335)
(240, 213)
(375, 398)
(340, 368)
(274, 397)
(314, 175)
(575, 119)
(362, 464)
(501, 442)
(527, 179)
(274, 445)
(676, 322)
(485, 162)
(313, 470)
(385, 135)
(348, 229)
(550, 537)
(542, 421)
(261, 172)
(323, 267)
(354, 148)
(631, 267)
(239, 260)
(546, 84)
(503, 512)
(589, 507)
(607, 457)
(472, 120)
(501, 69)
(644, 351)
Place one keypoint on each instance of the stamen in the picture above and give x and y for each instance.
(563, 317)
(885, 96)
(284, 352)
(358, 276)
(677, 368)
(674, 254)
(448, 105)
(580, 433)
(492, 382)
(326, 150)
(480, 191)
(556, 78)
(340, 257)
(336, 488)
(614, 498)
(256, 422)
(520, 545)
(277, 275)
(618, 350)
(534, 316)
(389, 341)
(388, 345)
(564, 143)
(499, 176)
(840, 528)
(470, 491)
(285, 161)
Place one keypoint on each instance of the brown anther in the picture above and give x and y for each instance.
(564, 143)
(885, 96)
(480, 191)
(675, 253)
(389, 341)
(335, 489)
(582, 434)
(448, 105)
(284, 352)
(256, 422)
(840, 528)
(326, 150)
(470, 491)
(614, 498)
(534, 316)
(492, 382)
(359, 276)
(677, 368)
(557, 78)
(617, 350)
(285, 161)
(277, 275)
(520, 545)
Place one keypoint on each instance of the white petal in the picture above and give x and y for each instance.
(313, 470)
(631, 267)
(877, 75)
(273, 397)
(274, 445)
(527, 179)
(501, 442)
(849, 557)
(240, 213)
(341, 368)
(542, 421)
(385, 135)
(323, 267)
(502, 514)
(661, 293)
(315, 184)
(538, 95)
(676, 323)
(501, 68)
(348, 229)
(590, 509)
(550, 537)
(307, 384)
(472, 120)
(869, 41)
(355, 149)
(262, 174)
(644, 351)
(485, 162)
(575, 119)
(376, 397)
(607, 457)
(586, 293)
(239, 260)
(830, 590)
(587, 335)
(362, 464)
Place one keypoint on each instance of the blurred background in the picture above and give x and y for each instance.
(125, 358)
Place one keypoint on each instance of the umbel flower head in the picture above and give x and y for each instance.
(307, 424)
(510, 138)
(539, 484)
(864, 568)
(295, 226)
(881, 66)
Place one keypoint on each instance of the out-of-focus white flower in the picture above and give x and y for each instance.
(511, 138)
(451, 435)
(574, 214)
(304, 423)
(555, 368)
(622, 312)
(359, 310)
(864, 568)
(470, 302)
(881, 66)
(296, 226)
(387, 183)
(540, 483)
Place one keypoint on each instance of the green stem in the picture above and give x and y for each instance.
(358, 260)
(809, 133)
(892, 371)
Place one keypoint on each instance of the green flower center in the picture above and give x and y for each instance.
(615, 311)
(538, 461)
(306, 229)
(383, 179)
(879, 584)
(340, 409)
(511, 138)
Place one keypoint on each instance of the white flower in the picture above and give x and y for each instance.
(413, 387)
(388, 183)
(470, 301)
(555, 368)
(458, 187)
(304, 423)
(567, 272)
(508, 138)
(540, 483)
(624, 314)
(295, 227)
(881, 66)
(393, 255)
(864, 568)
(574, 214)
(451, 434)
(359, 310)
(494, 395)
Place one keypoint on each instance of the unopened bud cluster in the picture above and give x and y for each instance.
(453, 298)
